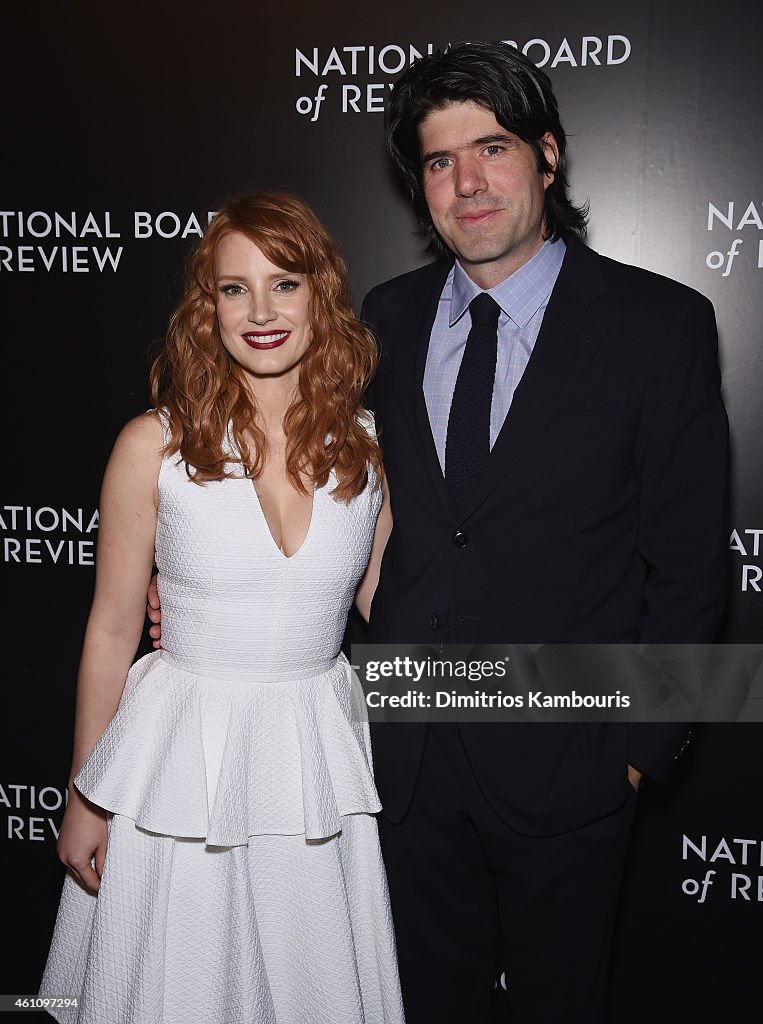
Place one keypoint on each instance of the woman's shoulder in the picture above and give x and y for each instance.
(142, 435)
(135, 461)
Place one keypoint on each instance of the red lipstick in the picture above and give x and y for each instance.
(265, 339)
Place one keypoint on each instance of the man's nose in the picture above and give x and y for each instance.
(470, 177)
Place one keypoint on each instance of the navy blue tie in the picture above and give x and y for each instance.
(467, 445)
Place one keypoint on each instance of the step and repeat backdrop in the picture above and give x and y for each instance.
(125, 126)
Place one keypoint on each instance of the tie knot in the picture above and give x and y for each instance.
(484, 311)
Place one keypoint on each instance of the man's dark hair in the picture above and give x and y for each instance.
(500, 78)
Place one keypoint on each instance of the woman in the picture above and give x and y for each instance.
(220, 831)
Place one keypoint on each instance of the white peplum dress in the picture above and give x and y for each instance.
(243, 879)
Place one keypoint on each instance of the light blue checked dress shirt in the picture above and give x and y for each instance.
(523, 297)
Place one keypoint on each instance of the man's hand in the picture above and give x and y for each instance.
(634, 775)
(154, 612)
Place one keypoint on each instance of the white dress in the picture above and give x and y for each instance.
(243, 879)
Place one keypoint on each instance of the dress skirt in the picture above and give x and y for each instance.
(283, 930)
(243, 881)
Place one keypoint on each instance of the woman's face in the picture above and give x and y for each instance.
(263, 311)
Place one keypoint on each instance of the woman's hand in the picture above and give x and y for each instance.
(82, 840)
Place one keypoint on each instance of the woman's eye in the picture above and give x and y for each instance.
(287, 286)
(232, 289)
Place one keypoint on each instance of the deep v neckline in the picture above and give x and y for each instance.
(269, 531)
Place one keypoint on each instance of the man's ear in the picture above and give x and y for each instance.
(551, 152)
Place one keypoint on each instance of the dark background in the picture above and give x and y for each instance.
(173, 107)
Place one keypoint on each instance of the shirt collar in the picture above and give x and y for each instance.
(521, 294)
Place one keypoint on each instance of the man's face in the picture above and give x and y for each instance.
(483, 189)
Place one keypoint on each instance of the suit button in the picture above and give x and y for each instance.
(434, 622)
(460, 539)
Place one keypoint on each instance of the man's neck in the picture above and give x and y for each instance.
(490, 274)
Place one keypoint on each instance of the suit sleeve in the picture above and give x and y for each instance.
(683, 532)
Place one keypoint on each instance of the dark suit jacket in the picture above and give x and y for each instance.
(601, 518)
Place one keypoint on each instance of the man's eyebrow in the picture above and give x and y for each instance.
(483, 140)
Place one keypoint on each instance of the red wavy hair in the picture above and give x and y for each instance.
(203, 389)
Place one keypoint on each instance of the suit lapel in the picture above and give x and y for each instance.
(574, 325)
(413, 337)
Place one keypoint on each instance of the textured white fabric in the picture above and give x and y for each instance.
(243, 879)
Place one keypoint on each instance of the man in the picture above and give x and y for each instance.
(577, 497)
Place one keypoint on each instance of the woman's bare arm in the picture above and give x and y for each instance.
(367, 586)
(124, 560)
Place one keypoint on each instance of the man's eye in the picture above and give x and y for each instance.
(438, 165)
(493, 150)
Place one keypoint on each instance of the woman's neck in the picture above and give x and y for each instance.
(272, 397)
